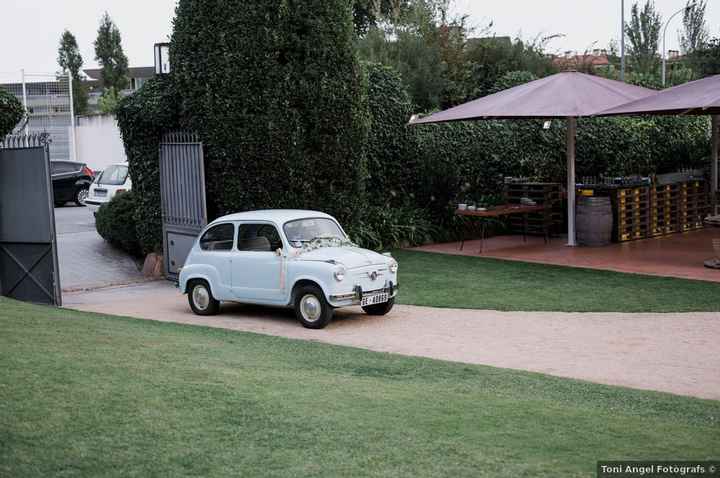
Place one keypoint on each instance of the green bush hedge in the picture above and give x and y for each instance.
(289, 119)
(279, 100)
(116, 223)
(142, 118)
(11, 112)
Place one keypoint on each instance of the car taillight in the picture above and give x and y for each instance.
(88, 172)
(120, 191)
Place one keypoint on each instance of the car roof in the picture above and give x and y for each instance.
(278, 216)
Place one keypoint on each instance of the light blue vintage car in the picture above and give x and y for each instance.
(286, 258)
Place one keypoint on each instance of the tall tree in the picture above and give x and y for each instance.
(694, 34)
(643, 34)
(71, 61)
(109, 54)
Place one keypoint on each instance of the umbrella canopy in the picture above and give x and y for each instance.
(563, 95)
(701, 97)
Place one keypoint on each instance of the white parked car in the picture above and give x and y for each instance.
(113, 180)
(286, 258)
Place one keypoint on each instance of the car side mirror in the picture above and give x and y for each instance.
(278, 252)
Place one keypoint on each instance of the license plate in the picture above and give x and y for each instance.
(101, 193)
(374, 299)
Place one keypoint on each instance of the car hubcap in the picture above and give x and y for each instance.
(201, 297)
(310, 308)
(82, 196)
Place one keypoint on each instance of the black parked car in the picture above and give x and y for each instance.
(71, 182)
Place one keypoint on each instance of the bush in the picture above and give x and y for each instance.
(392, 166)
(116, 223)
(11, 112)
(142, 118)
(387, 228)
(279, 99)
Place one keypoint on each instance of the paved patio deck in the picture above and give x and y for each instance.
(677, 255)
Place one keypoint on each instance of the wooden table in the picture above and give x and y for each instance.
(500, 211)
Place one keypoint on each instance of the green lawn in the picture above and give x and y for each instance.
(441, 280)
(90, 395)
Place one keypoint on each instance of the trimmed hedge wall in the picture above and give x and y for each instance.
(11, 112)
(142, 118)
(279, 99)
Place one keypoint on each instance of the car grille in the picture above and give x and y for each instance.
(362, 276)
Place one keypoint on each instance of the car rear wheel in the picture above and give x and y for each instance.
(81, 196)
(311, 308)
(201, 299)
(380, 309)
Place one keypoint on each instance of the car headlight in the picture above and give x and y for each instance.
(393, 267)
(339, 274)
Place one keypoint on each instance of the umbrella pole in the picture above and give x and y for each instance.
(714, 164)
(570, 147)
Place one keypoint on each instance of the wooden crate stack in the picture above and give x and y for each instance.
(658, 210)
(543, 194)
(693, 204)
(664, 219)
(631, 208)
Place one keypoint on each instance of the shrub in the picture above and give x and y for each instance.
(142, 118)
(392, 166)
(11, 112)
(278, 97)
(116, 223)
(387, 228)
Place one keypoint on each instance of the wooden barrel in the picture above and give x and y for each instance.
(593, 221)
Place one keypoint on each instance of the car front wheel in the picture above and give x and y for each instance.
(201, 299)
(311, 308)
(380, 309)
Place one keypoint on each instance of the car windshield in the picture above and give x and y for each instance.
(302, 231)
(114, 175)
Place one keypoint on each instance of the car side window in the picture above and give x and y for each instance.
(218, 238)
(258, 238)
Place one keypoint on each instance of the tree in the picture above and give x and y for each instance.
(11, 112)
(109, 54)
(109, 100)
(705, 61)
(643, 33)
(71, 61)
(695, 33)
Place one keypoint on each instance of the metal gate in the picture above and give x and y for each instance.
(182, 191)
(28, 247)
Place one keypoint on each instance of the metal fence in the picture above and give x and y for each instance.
(47, 98)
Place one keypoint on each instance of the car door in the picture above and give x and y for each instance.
(64, 174)
(257, 267)
(216, 249)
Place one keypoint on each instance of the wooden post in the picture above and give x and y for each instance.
(571, 133)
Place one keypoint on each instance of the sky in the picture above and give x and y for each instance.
(30, 29)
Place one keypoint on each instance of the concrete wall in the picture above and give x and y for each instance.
(98, 141)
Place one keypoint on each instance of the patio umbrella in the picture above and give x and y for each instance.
(568, 95)
(701, 97)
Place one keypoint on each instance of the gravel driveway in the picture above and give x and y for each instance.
(674, 353)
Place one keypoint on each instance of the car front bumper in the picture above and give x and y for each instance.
(356, 296)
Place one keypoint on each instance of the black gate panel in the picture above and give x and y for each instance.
(28, 249)
(182, 190)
